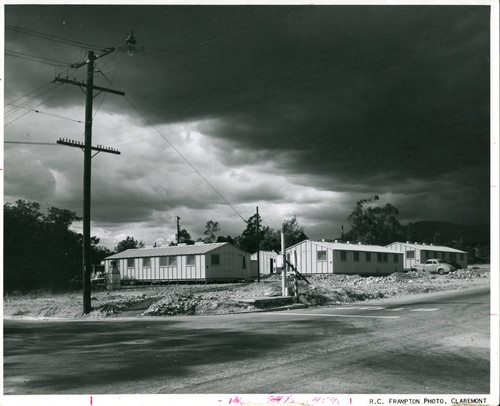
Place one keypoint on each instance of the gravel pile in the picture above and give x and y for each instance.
(198, 299)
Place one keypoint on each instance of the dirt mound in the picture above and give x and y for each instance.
(196, 299)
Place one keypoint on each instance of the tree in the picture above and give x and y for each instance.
(228, 239)
(210, 229)
(184, 237)
(248, 239)
(40, 250)
(62, 218)
(293, 232)
(128, 243)
(371, 224)
(269, 239)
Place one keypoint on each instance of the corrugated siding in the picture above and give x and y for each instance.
(265, 262)
(308, 262)
(425, 252)
(181, 271)
(196, 249)
(307, 258)
(230, 265)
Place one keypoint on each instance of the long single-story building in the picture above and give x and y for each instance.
(267, 262)
(198, 262)
(415, 253)
(321, 257)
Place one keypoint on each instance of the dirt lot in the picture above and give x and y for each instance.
(177, 299)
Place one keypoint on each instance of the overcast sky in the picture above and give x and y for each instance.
(300, 110)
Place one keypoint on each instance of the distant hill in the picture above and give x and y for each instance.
(442, 233)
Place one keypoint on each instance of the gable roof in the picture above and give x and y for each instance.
(343, 246)
(427, 247)
(174, 250)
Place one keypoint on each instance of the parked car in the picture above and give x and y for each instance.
(435, 265)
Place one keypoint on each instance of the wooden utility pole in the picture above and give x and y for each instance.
(258, 246)
(296, 279)
(284, 288)
(178, 229)
(87, 165)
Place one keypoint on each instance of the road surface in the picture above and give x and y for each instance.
(426, 344)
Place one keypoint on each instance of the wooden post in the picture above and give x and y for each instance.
(87, 262)
(258, 247)
(284, 289)
(296, 281)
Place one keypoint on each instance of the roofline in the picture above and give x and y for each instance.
(347, 245)
(220, 244)
(428, 246)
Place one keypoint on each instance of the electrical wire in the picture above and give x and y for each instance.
(29, 93)
(22, 115)
(49, 114)
(232, 33)
(179, 153)
(25, 103)
(51, 37)
(358, 66)
(184, 158)
(34, 58)
(110, 81)
(32, 143)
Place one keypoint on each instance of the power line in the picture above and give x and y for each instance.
(233, 33)
(179, 153)
(184, 158)
(51, 37)
(30, 99)
(29, 93)
(32, 143)
(22, 115)
(48, 114)
(110, 81)
(34, 58)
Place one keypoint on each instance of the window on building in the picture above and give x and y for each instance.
(321, 255)
(343, 255)
(461, 257)
(356, 256)
(453, 256)
(368, 257)
(163, 261)
(396, 259)
(190, 260)
(215, 259)
(244, 262)
(380, 257)
(410, 254)
(130, 262)
(146, 262)
(172, 261)
(386, 257)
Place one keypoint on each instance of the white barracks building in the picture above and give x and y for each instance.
(320, 257)
(415, 253)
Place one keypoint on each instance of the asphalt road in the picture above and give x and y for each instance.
(427, 344)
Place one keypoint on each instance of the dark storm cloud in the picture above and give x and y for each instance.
(362, 99)
(34, 181)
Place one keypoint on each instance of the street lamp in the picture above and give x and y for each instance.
(130, 47)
